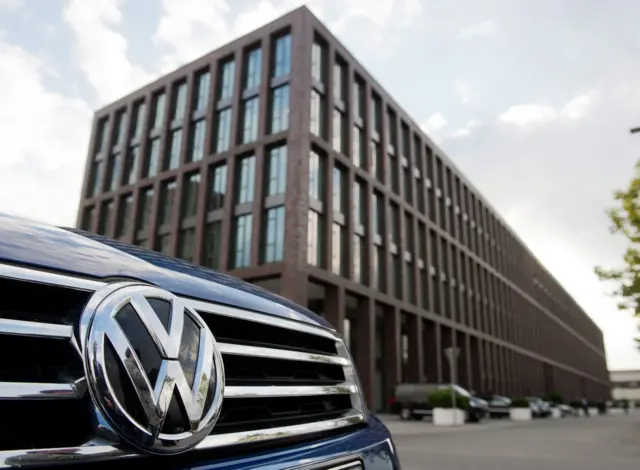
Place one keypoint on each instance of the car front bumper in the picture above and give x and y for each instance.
(370, 445)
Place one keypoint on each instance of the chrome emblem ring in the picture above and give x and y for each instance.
(152, 367)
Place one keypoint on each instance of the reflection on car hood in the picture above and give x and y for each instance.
(25, 242)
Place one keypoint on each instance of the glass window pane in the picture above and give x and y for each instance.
(337, 189)
(158, 110)
(186, 242)
(144, 209)
(254, 66)
(246, 180)
(87, 218)
(218, 188)
(175, 145)
(314, 239)
(190, 204)
(280, 109)
(315, 176)
(167, 195)
(197, 141)
(203, 82)
(228, 70)
(277, 171)
(124, 215)
(274, 235)
(242, 252)
(212, 245)
(106, 212)
(338, 131)
(250, 118)
(224, 130)
(153, 158)
(282, 62)
(179, 101)
(131, 166)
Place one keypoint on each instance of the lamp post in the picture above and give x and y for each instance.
(452, 355)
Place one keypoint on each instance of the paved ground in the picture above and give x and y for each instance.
(609, 442)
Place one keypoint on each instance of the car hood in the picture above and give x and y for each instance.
(28, 243)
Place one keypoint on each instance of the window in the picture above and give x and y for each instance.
(87, 218)
(124, 215)
(395, 224)
(186, 239)
(253, 69)
(377, 165)
(218, 187)
(358, 258)
(315, 176)
(112, 179)
(203, 83)
(250, 120)
(167, 195)
(317, 62)
(317, 114)
(212, 245)
(358, 98)
(282, 62)
(144, 209)
(153, 157)
(338, 80)
(227, 74)
(179, 101)
(378, 269)
(391, 130)
(242, 247)
(376, 113)
(358, 203)
(224, 130)
(131, 166)
(190, 197)
(137, 119)
(337, 249)
(96, 178)
(159, 104)
(277, 168)
(106, 212)
(392, 169)
(377, 212)
(358, 151)
(337, 191)
(314, 239)
(175, 145)
(101, 135)
(397, 276)
(198, 130)
(118, 129)
(280, 109)
(338, 131)
(274, 235)
(246, 180)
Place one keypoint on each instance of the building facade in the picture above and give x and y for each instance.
(279, 159)
(626, 386)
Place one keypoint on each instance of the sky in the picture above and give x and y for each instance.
(531, 99)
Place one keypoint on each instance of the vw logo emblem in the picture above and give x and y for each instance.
(152, 367)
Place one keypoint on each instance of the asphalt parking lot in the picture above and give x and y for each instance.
(608, 442)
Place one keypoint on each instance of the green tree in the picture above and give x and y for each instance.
(625, 220)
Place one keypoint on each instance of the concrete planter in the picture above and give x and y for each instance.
(556, 413)
(520, 414)
(448, 417)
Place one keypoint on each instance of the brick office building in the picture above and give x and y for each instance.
(279, 159)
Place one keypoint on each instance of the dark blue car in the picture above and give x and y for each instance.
(114, 355)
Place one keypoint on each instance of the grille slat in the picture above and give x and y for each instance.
(283, 378)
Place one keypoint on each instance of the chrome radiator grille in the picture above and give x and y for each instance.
(283, 379)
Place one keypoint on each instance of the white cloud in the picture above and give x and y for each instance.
(485, 28)
(578, 106)
(463, 89)
(44, 139)
(466, 130)
(433, 126)
(536, 114)
(101, 50)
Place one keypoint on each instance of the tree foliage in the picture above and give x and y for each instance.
(625, 220)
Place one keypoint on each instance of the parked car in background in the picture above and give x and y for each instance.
(499, 406)
(539, 407)
(411, 401)
(565, 410)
